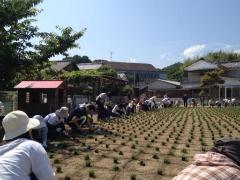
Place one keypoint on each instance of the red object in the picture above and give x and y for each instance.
(38, 84)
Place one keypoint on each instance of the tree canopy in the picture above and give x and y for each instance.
(78, 59)
(20, 57)
(210, 79)
(174, 71)
(76, 77)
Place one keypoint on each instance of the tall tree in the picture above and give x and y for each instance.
(78, 59)
(20, 58)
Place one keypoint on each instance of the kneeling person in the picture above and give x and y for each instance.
(80, 117)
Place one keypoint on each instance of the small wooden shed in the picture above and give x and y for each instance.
(41, 97)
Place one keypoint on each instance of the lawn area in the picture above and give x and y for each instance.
(148, 145)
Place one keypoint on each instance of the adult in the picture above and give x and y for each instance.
(226, 102)
(101, 100)
(119, 110)
(131, 107)
(194, 103)
(166, 101)
(81, 116)
(222, 162)
(42, 130)
(55, 122)
(152, 102)
(185, 100)
(202, 100)
(22, 158)
(211, 102)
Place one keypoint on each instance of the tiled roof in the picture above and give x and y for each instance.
(176, 83)
(201, 65)
(38, 84)
(231, 65)
(125, 66)
(59, 65)
(82, 66)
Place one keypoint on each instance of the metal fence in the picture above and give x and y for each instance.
(8, 102)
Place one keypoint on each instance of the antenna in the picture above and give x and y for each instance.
(111, 54)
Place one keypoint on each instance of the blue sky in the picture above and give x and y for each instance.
(159, 32)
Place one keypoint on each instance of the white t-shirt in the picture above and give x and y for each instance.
(21, 157)
(53, 119)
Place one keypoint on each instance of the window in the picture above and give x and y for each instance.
(43, 98)
(27, 97)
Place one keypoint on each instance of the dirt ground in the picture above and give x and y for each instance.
(147, 146)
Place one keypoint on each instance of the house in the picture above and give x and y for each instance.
(229, 89)
(41, 97)
(64, 65)
(138, 74)
(160, 87)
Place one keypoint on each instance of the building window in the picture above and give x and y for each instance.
(43, 98)
(27, 97)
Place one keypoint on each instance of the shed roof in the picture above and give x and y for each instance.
(39, 84)
(125, 66)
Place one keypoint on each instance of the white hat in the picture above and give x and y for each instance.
(42, 123)
(17, 123)
(62, 112)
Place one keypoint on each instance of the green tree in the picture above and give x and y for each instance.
(209, 80)
(20, 58)
(221, 56)
(78, 59)
(174, 71)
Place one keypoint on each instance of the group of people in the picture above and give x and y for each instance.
(23, 156)
(193, 101)
(108, 110)
(225, 102)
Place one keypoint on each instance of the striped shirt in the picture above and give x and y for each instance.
(210, 166)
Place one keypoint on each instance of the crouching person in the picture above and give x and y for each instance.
(81, 116)
(119, 110)
(55, 122)
(41, 130)
(222, 162)
(22, 158)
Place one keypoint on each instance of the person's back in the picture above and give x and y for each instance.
(78, 112)
(21, 157)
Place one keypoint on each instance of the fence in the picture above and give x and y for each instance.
(8, 102)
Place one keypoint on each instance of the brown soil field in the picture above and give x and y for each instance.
(145, 146)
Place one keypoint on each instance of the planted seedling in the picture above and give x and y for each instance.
(92, 174)
(142, 163)
(133, 177)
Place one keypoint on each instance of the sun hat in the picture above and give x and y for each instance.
(62, 112)
(17, 123)
(42, 123)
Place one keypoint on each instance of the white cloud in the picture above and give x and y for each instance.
(195, 50)
(237, 51)
(132, 60)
